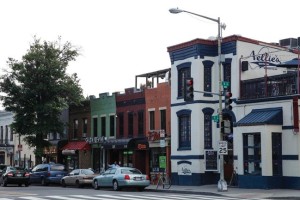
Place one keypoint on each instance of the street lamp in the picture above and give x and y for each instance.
(222, 185)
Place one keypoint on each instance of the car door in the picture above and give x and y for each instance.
(35, 174)
(110, 176)
(75, 177)
(68, 179)
(103, 178)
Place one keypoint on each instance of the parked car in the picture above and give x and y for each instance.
(121, 177)
(48, 173)
(14, 175)
(79, 178)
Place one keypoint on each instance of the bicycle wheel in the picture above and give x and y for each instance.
(167, 183)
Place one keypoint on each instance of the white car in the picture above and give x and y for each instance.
(122, 177)
(78, 178)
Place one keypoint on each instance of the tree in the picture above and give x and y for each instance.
(37, 89)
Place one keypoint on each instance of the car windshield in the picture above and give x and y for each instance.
(57, 168)
(15, 168)
(130, 171)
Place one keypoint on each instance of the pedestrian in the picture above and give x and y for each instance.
(114, 165)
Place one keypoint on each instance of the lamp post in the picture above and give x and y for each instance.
(222, 185)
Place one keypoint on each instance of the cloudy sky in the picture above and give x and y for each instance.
(123, 38)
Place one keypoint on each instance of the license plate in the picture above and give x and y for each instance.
(138, 178)
(58, 175)
(19, 175)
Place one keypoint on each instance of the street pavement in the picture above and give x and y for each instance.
(235, 192)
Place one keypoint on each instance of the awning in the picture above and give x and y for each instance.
(126, 143)
(262, 116)
(290, 64)
(77, 145)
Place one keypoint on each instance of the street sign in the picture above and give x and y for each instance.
(223, 149)
(215, 118)
(225, 84)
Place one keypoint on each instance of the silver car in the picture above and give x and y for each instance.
(121, 177)
(79, 178)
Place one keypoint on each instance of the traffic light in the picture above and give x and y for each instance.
(188, 89)
(228, 100)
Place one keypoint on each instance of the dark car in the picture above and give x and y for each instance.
(2, 167)
(14, 175)
(48, 173)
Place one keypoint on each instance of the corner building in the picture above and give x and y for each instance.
(262, 128)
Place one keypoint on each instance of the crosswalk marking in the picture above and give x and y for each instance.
(140, 196)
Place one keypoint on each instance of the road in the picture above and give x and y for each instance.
(35, 192)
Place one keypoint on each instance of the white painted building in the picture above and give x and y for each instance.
(12, 150)
(263, 139)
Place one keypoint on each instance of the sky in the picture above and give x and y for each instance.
(119, 39)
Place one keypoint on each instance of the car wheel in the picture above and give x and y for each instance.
(44, 183)
(77, 184)
(63, 183)
(26, 184)
(116, 186)
(140, 189)
(19, 184)
(96, 185)
(4, 183)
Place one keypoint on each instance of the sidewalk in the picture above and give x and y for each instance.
(240, 193)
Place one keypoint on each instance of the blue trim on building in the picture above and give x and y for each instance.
(187, 157)
(268, 182)
(193, 102)
(195, 179)
(290, 157)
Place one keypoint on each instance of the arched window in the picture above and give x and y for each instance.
(184, 71)
(207, 127)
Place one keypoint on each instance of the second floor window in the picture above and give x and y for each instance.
(184, 71)
(11, 134)
(130, 124)
(103, 126)
(152, 120)
(95, 126)
(163, 120)
(75, 128)
(84, 128)
(112, 125)
(6, 134)
(1, 136)
(121, 124)
(141, 122)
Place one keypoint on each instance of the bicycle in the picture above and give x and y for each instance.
(165, 181)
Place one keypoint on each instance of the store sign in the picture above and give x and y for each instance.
(263, 57)
(95, 140)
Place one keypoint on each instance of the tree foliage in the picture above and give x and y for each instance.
(37, 89)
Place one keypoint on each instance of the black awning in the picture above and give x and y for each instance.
(262, 116)
(126, 143)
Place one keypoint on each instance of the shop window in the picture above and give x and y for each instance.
(277, 154)
(112, 125)
(252, 153)
(152, 119)
(184, 71)
(163, 120)
(207, 127)
(141, 122)
(184, 129)
(103, 126)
